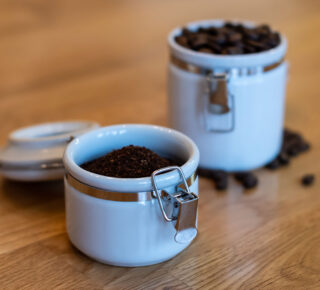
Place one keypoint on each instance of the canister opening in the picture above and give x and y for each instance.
(164, 141)
(214, 61)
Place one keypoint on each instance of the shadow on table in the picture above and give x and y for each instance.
(24, 194)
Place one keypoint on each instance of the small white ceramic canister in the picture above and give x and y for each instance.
(232, 106)
(131, 221)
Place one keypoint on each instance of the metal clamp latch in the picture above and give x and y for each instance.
(218, 93)
(219, 107)
(185, 207)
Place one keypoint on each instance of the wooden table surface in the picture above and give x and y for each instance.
(106, 61)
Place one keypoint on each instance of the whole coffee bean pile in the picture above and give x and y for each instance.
(128, 162)
(220, 178)
(229, 39)
(293, 144)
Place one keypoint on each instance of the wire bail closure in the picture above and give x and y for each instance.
(184, 204)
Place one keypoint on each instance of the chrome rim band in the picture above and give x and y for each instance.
(204, 71)
(117, 196)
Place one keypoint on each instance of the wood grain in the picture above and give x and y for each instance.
(106, 61)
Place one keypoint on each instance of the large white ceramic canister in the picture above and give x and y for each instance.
(131, 221)
(232, 106)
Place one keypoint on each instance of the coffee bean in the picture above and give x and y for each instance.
(215, 47)
(220, 38)
(293, 151)
(276, 37)
(251, 35)
(239, 176)
(205, 50)
(234, 50)
(229, 24)
(249, 49)
(219, 175)
(205, 172)
(213, 30)
(185, 31)
(200, 41)
(214, 174)
(247, 179)
(256, 44)
(250, 181)
(234, 38)
(221, 184)
(264, 29)
(202, 30)
(304, 146)
(274, 164)
(283, 158)
(182, 40)
(308, 179)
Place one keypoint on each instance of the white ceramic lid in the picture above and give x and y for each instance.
(35, 153)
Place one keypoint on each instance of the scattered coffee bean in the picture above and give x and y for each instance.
(303, 147)
(274, 164)
(250, 181)
(128, 162)
(230, 39)
(204, 172)
(308, 179)
(247, 179)
(239, 176)
(219, 177)
(283, 158)
(221, 184)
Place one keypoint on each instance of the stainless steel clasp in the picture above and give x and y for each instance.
(218, 93)
(219, 106)
(184, 204)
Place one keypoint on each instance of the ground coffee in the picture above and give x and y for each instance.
(229, 39)
(128, 162)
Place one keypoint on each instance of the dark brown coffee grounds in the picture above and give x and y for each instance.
(232, 38)
(128, 162)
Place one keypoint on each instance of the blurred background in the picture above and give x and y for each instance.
(106, 60)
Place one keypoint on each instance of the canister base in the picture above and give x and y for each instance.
(131, 265)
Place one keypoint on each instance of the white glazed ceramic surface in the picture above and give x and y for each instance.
(125, 233)
(258, 105)
(30, 149)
